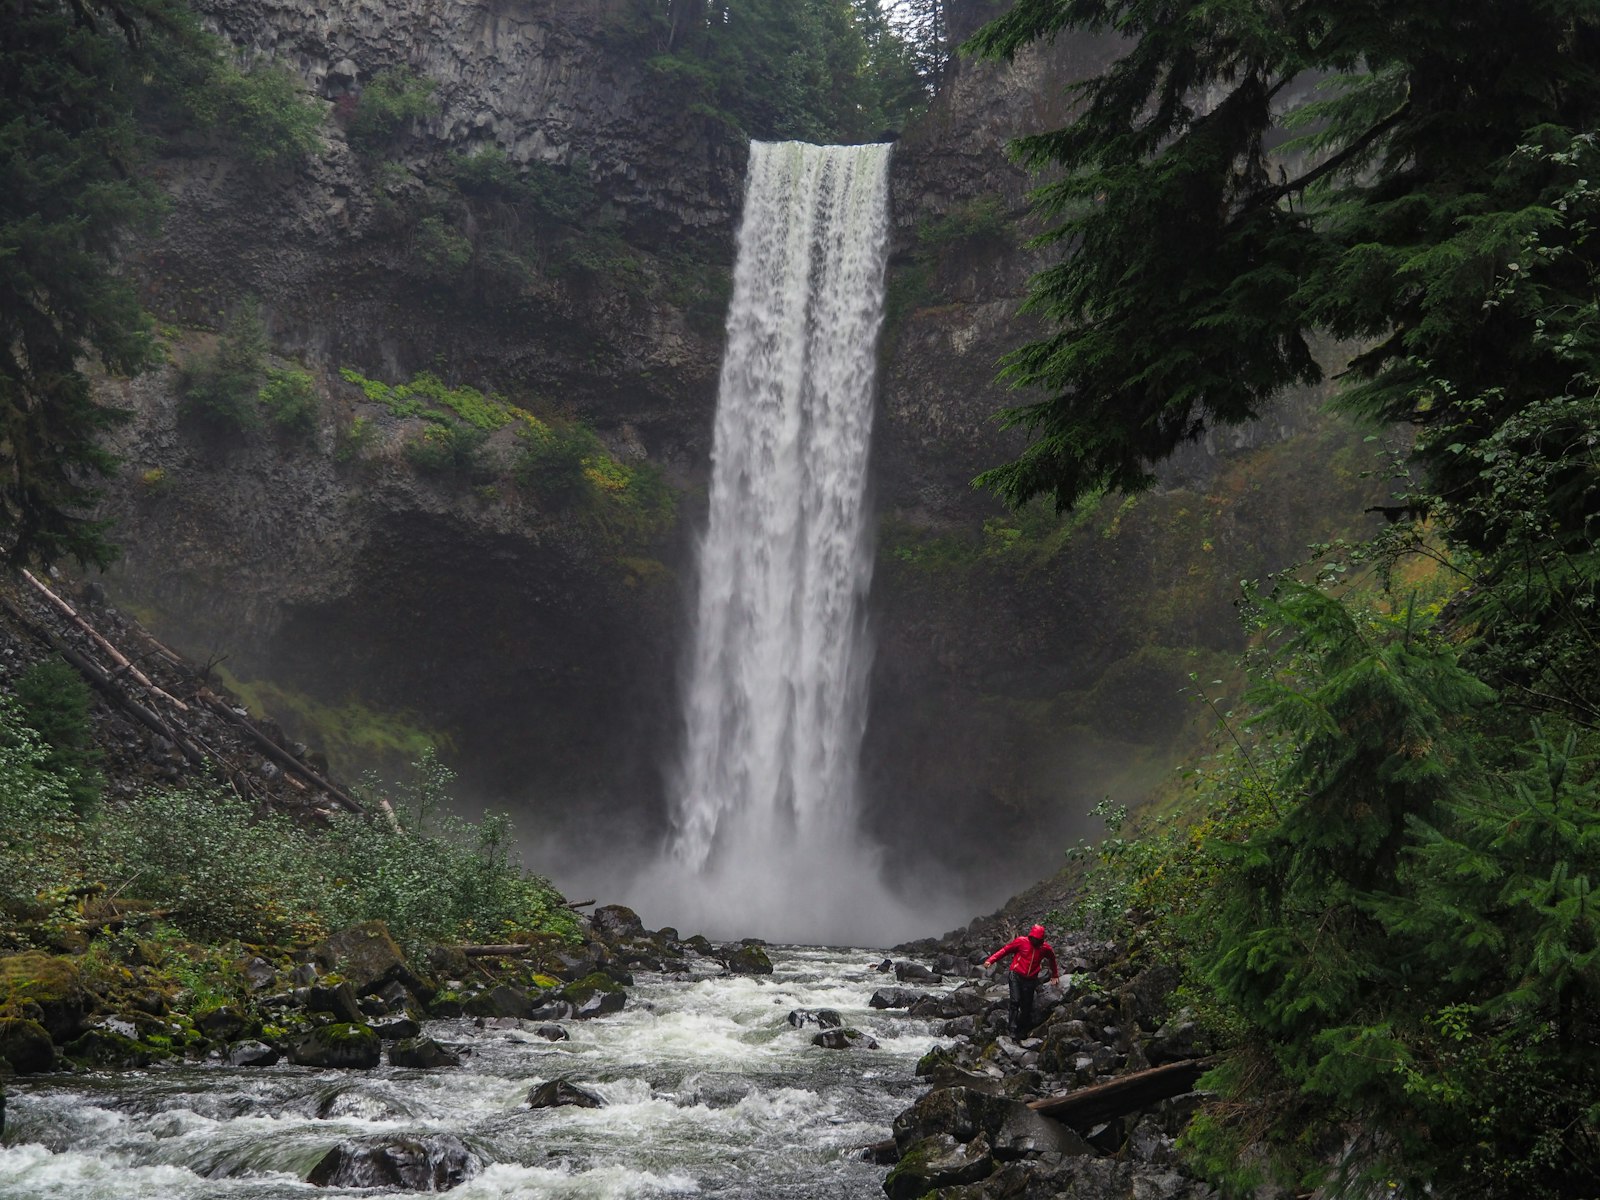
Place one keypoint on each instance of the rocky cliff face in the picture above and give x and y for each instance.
(1025, 666)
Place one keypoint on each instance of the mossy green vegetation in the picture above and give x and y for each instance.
(214, 868)
(385, 109)
(351, 733)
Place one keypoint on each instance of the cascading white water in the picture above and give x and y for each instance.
(764, 813)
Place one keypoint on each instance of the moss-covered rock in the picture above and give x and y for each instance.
(502, 1000)
(595, 995)
(936, 1162)
(26, 1046)
(47, 989)
(107, 1048)
(749, 960)
(345, 1045)
(369, 959)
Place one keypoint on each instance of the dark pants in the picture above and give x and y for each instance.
(1022, 989)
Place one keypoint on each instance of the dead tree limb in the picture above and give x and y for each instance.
(1090, 1106)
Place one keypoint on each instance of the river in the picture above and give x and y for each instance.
(709, 1092)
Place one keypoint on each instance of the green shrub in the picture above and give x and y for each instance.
(442, 249)
(38, 823)
(386, 108)
(290, 399)
(268, 117)
(221, 389)
(55, 702)
(551, 463)
(448, 449)
(353, 440)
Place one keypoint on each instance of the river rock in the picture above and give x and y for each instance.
(502, 1000)
(910, 972)
(843, 1039)
(222, 1024)
(100, 1047)
(421, 1053)
(963, 1002)
(339, 1000)
(258, 973)
(937, 1162)
(558, 1093)
(394, 1029)
(339, 1045)
(551, 1033)
(370, 959)
(26, 1046)
(822, 1018)
(895, 998)
(435, 1163)
(251, 1054)
(594, 995)
(46, 989)
(616, 923)
(748, 960)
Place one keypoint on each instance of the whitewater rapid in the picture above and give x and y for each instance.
(710, 1093)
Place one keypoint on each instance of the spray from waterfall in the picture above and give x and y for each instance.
(765, 799)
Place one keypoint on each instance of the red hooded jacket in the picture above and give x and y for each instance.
(1027, 959)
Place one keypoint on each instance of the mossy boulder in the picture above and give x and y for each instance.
(421, 1053)
(107, 1048)
(936, 1162)
(369, 959)
(26, 1046)
(223, 1023)
(843, 1039)
(500, 1001)
(344, 1045)
(596, 994)
(47, 989)
(749, 960)
(616, 923)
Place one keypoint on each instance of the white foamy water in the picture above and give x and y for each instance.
(709, 1092)
(765, 831)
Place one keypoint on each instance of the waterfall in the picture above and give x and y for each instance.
(765, 835)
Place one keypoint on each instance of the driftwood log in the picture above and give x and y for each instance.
(1090, 1106)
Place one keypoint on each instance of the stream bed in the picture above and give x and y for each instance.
(709, 1091)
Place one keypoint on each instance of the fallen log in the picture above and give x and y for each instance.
(111, 652)
(275, 752)
(1090, 1106)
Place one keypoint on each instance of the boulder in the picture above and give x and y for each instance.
(222, 1024)
(551, 1033)
(843, 1039)
(937, 1162)
(340, 1000)
(104, 1048)
(748, 960)
(251, 1054)
(558, 1093)
(369, 959)
(421, 1053)
(895, 998)
(594, 995)
(435, 1163)
(1145, 998)
(26, 1046)
(502, 1000)
(345, 1045)
(963, 1002)
(910, 972)
(616, 923)
(258, 973)
(571, 965)
(46, 989)
(822, 1018)
(394, 1029)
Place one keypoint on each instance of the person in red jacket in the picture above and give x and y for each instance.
(1028, 955)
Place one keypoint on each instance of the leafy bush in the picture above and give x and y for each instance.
(290, 399)
(448, 449)
(221, 389)
(552, 460)
(267, 115)
(443, 250)
(38, 824)
(353, 440)
(386, 108)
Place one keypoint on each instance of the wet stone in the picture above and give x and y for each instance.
(427, 1164)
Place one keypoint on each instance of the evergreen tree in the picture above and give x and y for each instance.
(81, 81)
